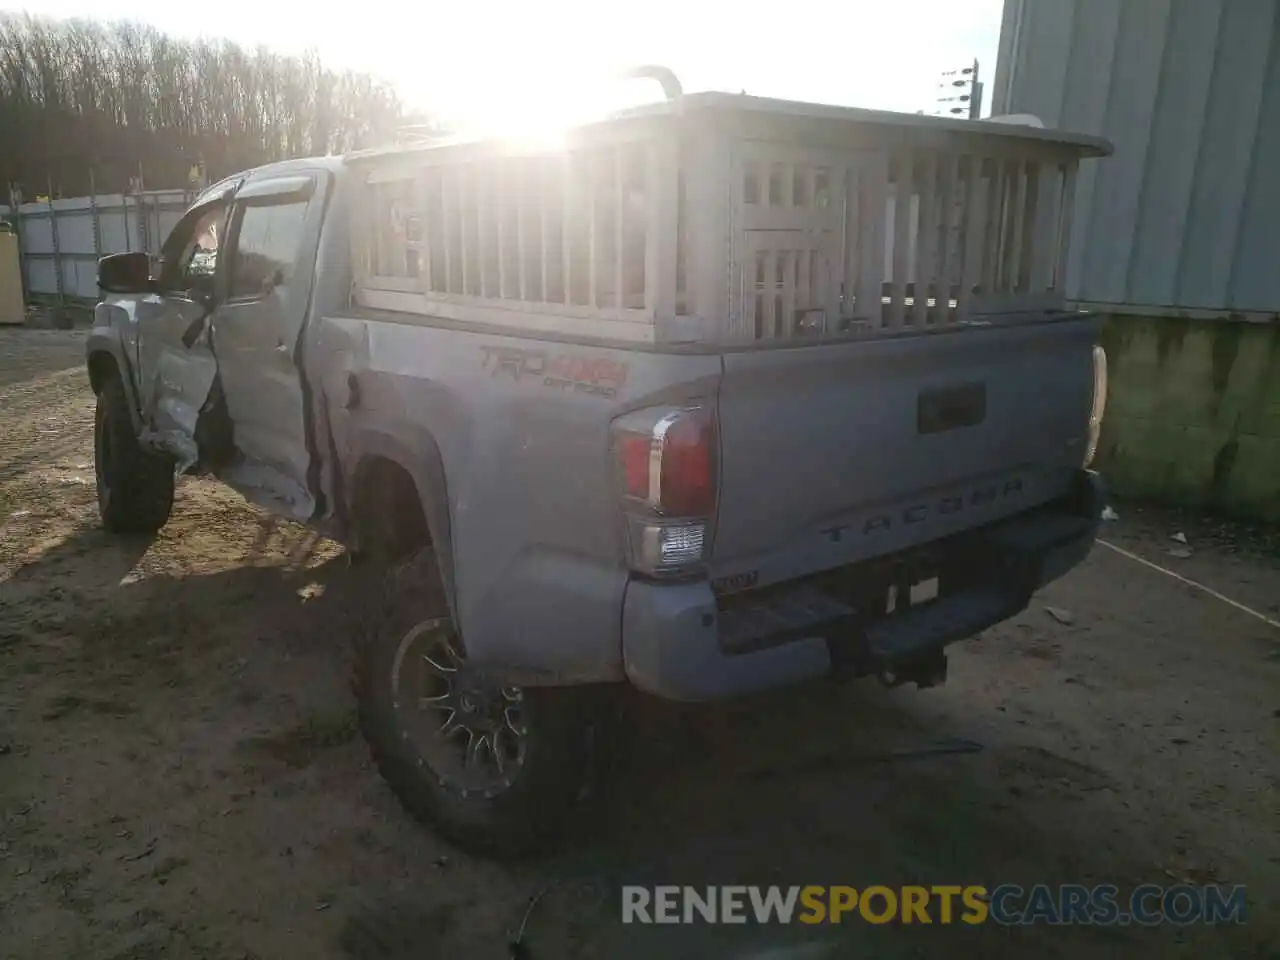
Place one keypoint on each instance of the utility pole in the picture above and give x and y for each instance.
(144, 225)
(959, 96)
(960, 93)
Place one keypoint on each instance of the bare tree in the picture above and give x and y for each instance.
(123, 97)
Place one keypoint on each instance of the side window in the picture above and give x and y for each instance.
(191, 252)
(266, 251)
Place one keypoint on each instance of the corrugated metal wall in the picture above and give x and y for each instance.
(64, 261)
(1186, 214)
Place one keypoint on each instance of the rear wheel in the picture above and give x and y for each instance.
(497, 769)
(135, 485)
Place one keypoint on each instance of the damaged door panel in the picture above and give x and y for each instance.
(275, 229)
(176, 365)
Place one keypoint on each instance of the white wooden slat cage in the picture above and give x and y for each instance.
(722, 218)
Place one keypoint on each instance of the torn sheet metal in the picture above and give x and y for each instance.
(181, 386)
(266, 487)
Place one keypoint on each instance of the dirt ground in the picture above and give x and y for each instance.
(180, 773)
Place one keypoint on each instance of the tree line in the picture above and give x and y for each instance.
(123, 100)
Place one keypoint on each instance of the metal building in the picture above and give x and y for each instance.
(1186, 214)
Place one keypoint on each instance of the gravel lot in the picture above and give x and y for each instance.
(180, 774)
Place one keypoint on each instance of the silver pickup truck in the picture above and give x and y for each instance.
(713, 396)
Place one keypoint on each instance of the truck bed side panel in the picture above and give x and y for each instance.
(522, 427)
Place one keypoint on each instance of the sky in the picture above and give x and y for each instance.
(506, 64)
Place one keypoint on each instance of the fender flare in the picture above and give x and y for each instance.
(420, 457)
(102, 345)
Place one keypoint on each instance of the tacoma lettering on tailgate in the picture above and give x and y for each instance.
(919, 512)
(601, 376)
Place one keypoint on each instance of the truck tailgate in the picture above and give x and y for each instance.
(833, 453)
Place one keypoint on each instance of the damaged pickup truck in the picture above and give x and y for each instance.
(716, 395)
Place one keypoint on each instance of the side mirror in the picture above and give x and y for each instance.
(125, 273)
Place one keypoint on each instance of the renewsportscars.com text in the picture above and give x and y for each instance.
(1007, 904)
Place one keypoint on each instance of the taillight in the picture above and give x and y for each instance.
(686, 481)
(667, 468)
(634, 457)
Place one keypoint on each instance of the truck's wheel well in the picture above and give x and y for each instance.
(102, 366)
(387, 510)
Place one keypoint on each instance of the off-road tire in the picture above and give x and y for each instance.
(529, 817)
(135, 485)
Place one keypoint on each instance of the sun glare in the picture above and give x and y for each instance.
(541, 112)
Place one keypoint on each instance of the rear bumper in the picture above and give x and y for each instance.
(679, 643)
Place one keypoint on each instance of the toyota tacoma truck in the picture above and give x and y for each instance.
(711, 396)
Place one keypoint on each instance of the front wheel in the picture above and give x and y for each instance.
(497, 769)
(135, 485)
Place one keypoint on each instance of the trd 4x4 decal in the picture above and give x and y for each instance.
(601, 376)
